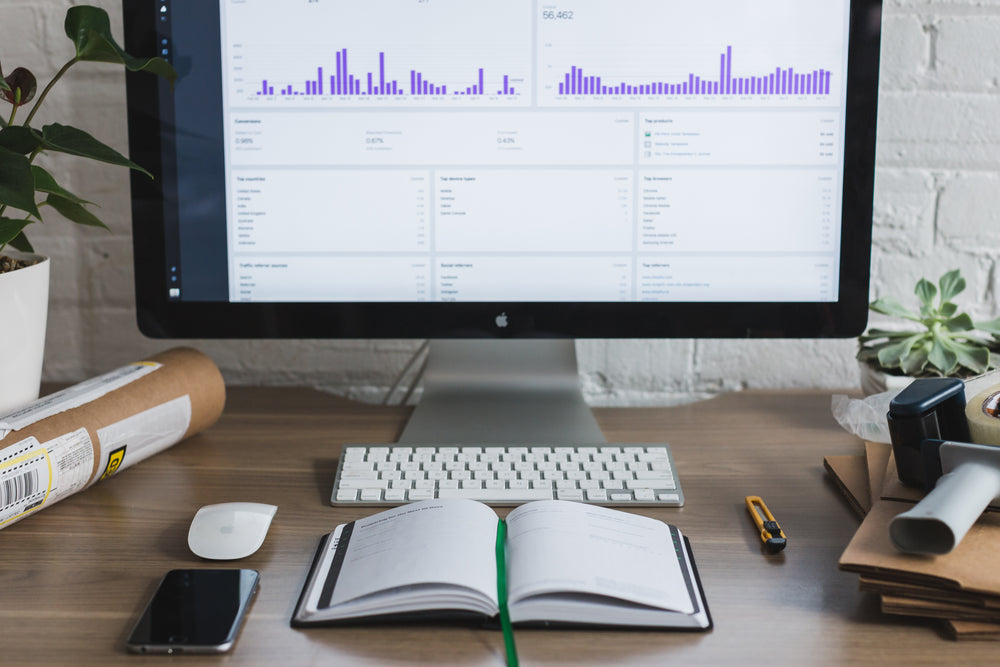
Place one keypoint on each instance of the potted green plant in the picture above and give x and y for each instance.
(26, 189)
(947, 343)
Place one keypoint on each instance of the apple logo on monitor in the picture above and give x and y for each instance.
(501, 320)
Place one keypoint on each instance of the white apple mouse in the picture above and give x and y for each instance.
(228, 531)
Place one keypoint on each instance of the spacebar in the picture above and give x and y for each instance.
(498, 495)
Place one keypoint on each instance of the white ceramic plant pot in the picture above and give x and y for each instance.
(24, 307)
(874, 381)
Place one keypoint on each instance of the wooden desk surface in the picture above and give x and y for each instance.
(74, 577)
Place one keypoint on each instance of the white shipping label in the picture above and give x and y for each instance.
(33, 475)
(75, 396)
(138, 437)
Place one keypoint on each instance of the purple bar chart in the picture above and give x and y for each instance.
(380, 82)
(781, 81)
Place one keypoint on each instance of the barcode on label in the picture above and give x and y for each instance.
(15, 489)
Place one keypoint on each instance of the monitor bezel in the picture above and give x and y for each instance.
(160, 317)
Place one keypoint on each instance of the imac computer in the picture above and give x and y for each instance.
(502, 177)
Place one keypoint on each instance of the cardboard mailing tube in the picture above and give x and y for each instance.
(66, 442)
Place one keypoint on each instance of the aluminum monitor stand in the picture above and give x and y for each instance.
(502, 392)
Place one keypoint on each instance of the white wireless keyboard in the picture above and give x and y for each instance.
(507, 475)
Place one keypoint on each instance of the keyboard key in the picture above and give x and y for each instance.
(634, 484)
(359, 474)
(653, 475)
(363, 483)
(644, 495)
(497, 495)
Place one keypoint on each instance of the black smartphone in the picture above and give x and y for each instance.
(195, 611)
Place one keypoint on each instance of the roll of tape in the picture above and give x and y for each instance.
(983, 413)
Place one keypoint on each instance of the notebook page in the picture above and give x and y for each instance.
(557, 546)
(435, 541)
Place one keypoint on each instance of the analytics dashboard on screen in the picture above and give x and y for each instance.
(531, 150)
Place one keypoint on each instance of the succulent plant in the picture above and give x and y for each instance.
(25, 187)
(948, 343)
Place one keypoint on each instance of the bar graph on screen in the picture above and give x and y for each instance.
(780, 81)
(721, 53)
(382, 81)
(393, 54)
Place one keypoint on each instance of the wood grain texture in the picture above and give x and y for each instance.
(74, 577)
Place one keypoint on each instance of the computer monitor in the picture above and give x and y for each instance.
(506, 174)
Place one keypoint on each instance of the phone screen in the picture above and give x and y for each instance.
(195, 611)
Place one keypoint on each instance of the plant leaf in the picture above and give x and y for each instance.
(925, 291)
(66, 139)
(867, 355)
(952, 284)
(990, 326)
(21, 243)
(45, 183)
(888, 305)
(74, 211)
(943, 359)
(90, 30)
(974, 357)
(10, 229)
(17, 185)
(19, 139)
(960, 323)
(915, 362)
(948, 309)
(877, 334)
(891, 355)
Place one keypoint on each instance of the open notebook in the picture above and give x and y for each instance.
(562, 563)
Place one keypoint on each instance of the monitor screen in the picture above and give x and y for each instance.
(504, 168)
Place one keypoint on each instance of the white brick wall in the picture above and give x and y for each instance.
(937, 207)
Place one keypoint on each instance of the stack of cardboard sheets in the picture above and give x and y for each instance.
(961, 588)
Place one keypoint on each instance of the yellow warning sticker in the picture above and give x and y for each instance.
(115, 459)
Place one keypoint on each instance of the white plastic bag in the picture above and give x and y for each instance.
(866, 417)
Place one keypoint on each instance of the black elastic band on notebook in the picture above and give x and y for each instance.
(338, 562)
(682, 557)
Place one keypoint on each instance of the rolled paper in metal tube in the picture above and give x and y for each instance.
(70, 440)
(937, 524)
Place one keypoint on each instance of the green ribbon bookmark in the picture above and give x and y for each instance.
(508, 630)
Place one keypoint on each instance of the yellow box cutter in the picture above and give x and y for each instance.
(770, 532)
